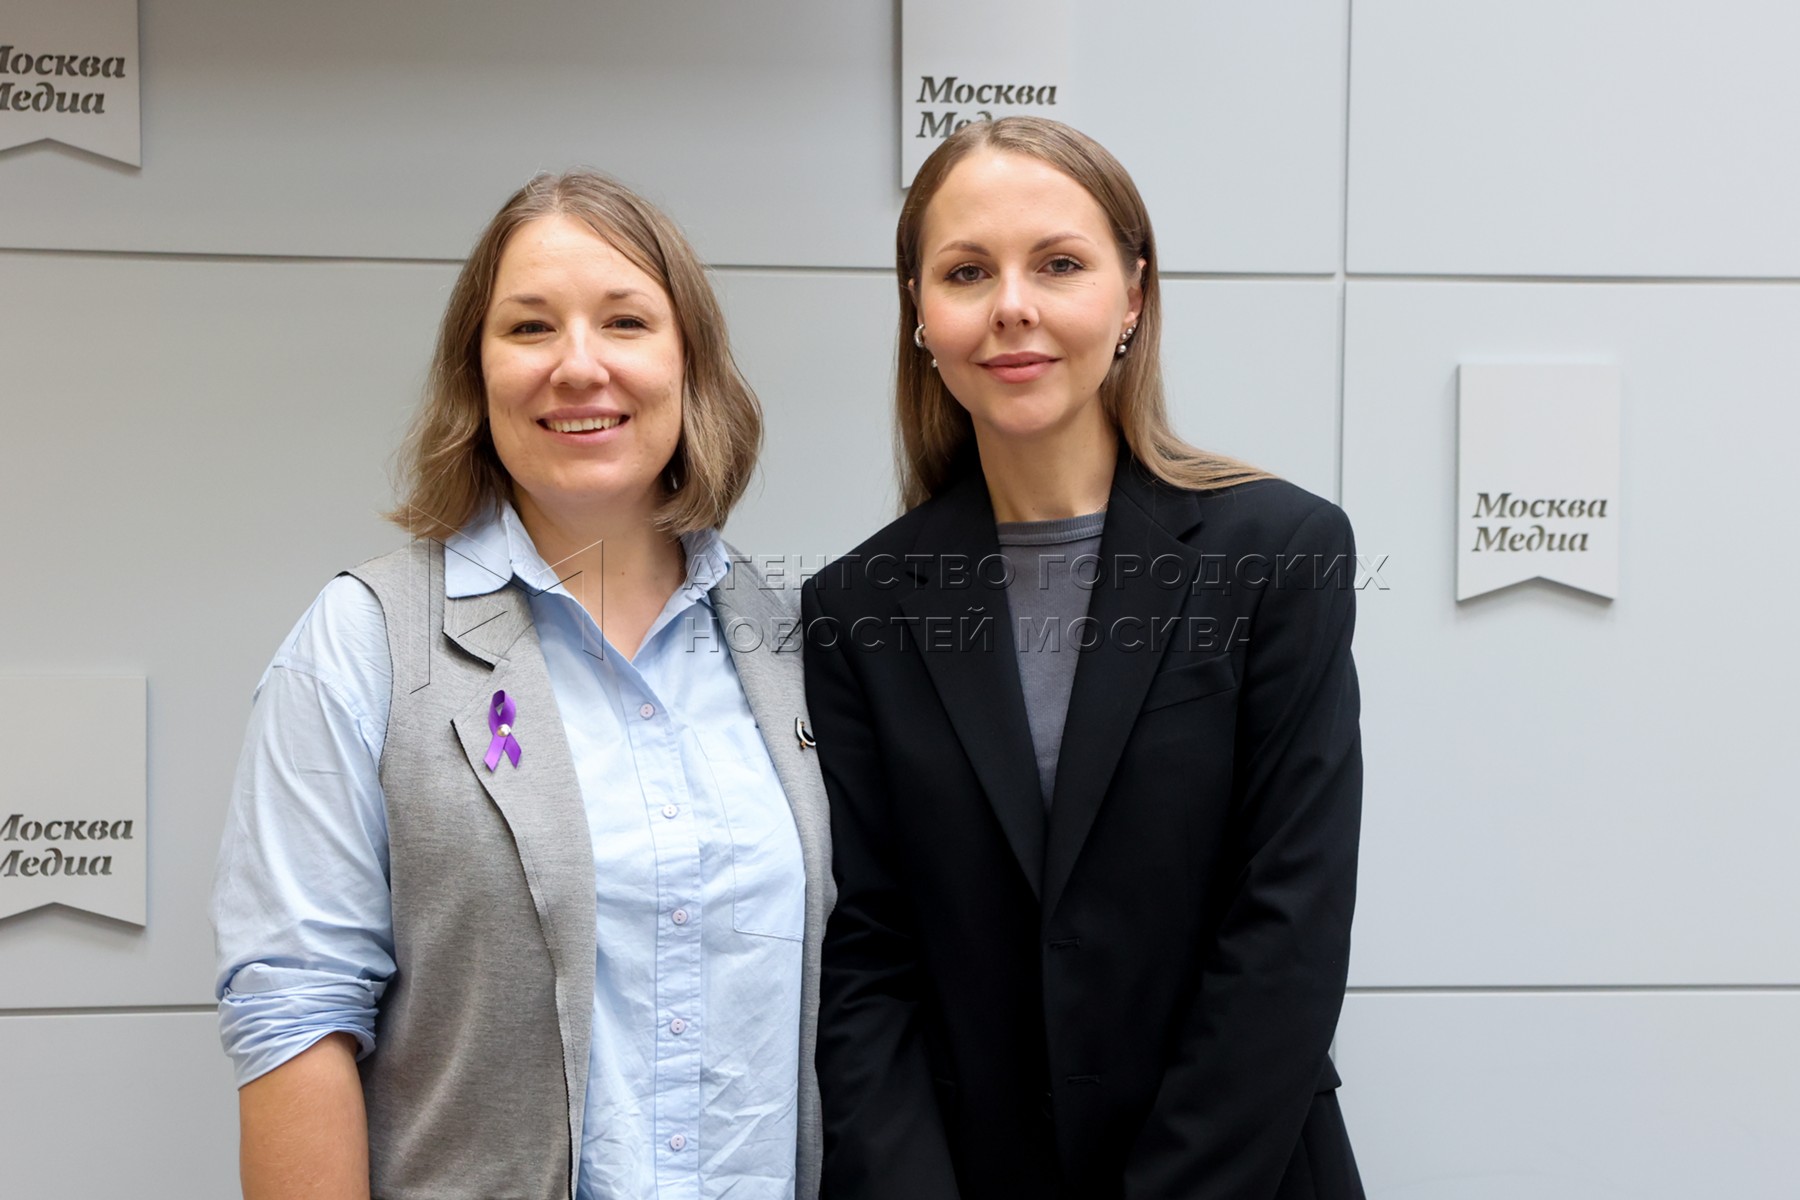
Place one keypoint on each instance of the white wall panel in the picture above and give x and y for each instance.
(1252, 370)
(1563, 790)
(394, 130)
(192, 450)
(1574, 137)
(1230, 117)
(819, 350)
(769, 129)
(1588, 1096)
(138, 1105)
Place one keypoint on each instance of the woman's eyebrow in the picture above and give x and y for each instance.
(532, 301)
(966, 247)
(1040, 244)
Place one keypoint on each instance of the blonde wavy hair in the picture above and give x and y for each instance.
(448, 469)
(934, 439)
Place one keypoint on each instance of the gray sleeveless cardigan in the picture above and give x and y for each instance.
(477, 1083)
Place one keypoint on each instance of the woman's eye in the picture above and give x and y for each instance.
(1062, 264)
(627, 323)
(531, 327)
(967, 273)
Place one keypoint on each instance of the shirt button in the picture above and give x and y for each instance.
(670, 810)
(677, 1142)
(678, 1026)
(679, 916)
(647, 711)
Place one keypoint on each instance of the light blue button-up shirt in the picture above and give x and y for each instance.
(700, 892)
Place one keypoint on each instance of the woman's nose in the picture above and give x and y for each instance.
(1013, 302)
(580, 364)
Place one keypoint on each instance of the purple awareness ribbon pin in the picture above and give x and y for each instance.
(500, 718)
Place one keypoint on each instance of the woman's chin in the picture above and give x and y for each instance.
(1025, 426)
(576, 498)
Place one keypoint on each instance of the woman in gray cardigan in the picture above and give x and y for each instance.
(526, 866)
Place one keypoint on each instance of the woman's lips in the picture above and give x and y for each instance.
(1018, 368)
(584, 431)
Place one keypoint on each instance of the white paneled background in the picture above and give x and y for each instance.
(1577, 964)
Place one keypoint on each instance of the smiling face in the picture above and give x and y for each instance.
(1024, 297)
(581, 355)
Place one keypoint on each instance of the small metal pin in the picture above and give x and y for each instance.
(807, 741)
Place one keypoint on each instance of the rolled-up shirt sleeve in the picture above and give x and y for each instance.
(301, 909)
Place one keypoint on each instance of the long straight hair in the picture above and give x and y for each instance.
(934, 438)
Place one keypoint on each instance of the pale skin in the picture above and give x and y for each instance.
(1018, 261)
(575, 333)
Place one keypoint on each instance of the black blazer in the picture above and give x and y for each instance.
(1133, 995)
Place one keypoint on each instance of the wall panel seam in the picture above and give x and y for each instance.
(193, 256)
(1343, 264)
(120, 1010)
(1608, 280)
(1574, 989)
(185, 256)
(1341, 275)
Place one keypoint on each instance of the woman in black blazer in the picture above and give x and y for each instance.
(1088, 723)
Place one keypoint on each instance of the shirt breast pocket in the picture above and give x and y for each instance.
(768, 885)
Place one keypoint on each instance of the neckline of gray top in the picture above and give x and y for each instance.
(1051, 533)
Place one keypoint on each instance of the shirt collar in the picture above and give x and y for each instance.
(494, 549)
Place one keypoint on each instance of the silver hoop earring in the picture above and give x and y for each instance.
(919, 336)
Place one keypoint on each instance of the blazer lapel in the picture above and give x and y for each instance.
(973, 664)
(1145, 522)
(540, 800)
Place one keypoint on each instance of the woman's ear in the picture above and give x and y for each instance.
(1134, 293)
